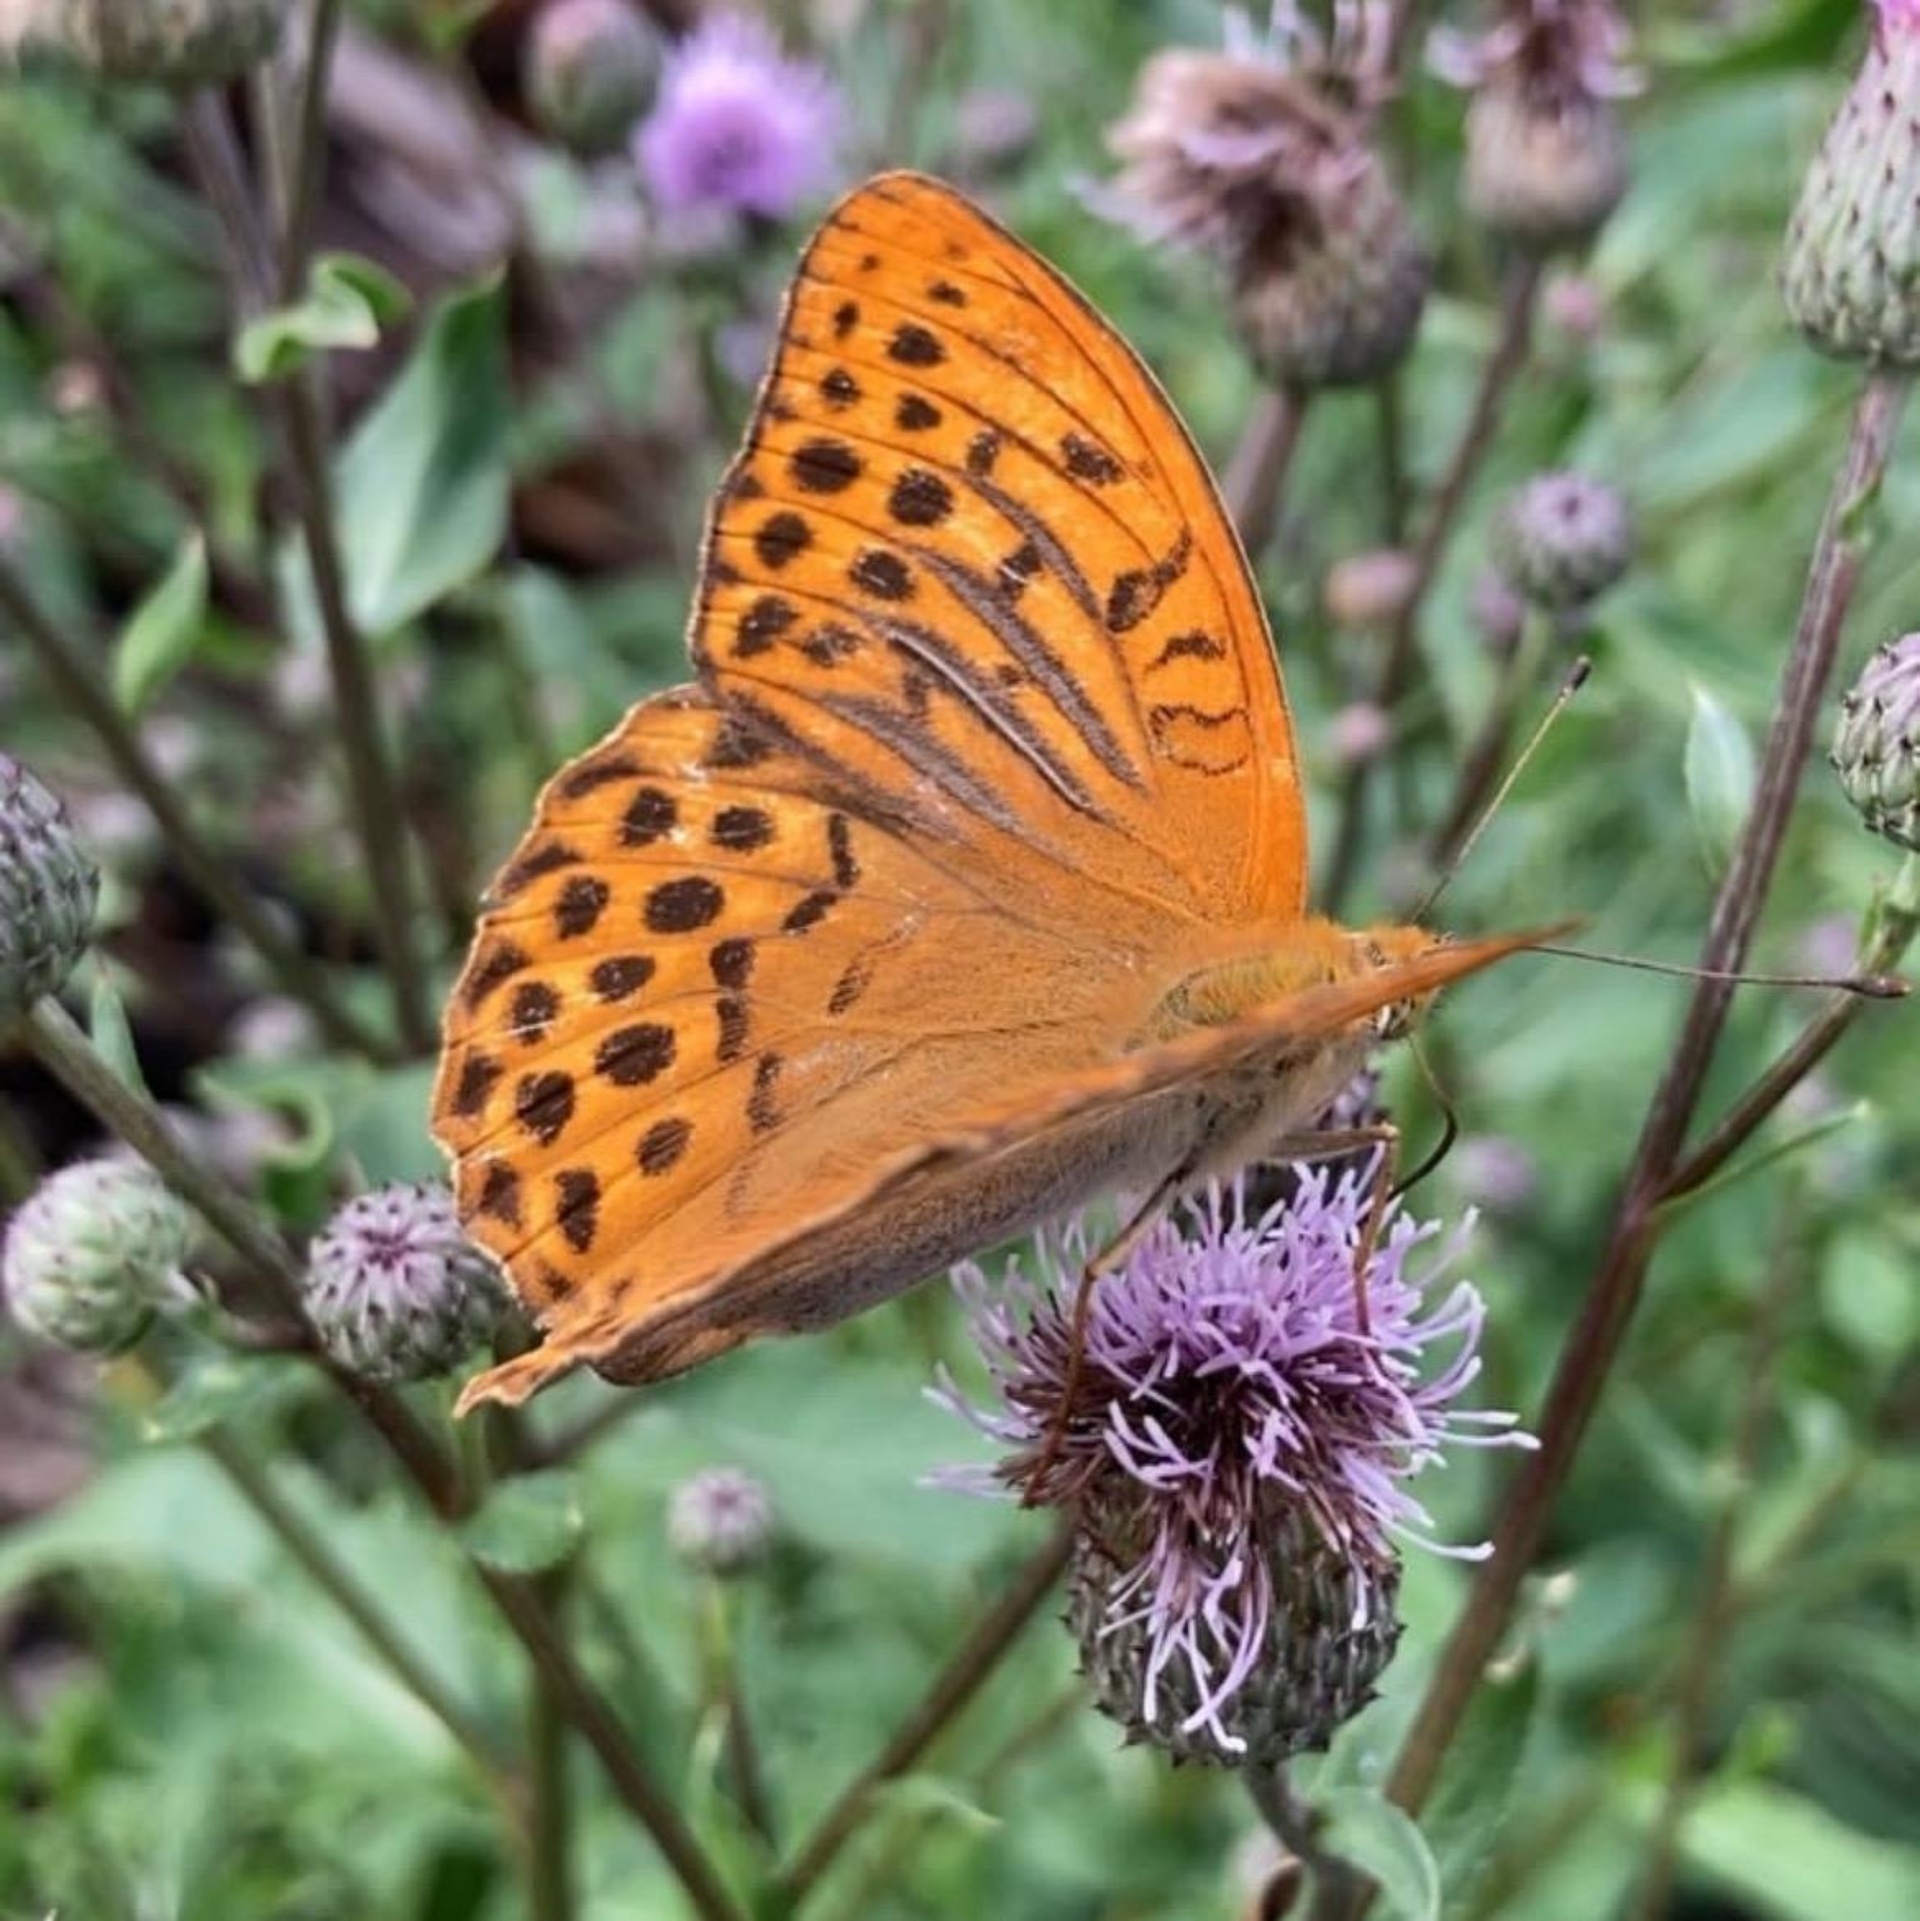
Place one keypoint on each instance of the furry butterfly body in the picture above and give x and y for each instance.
(967, 881)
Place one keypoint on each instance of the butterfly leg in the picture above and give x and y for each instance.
(1115, 1254)
(1330, 1144)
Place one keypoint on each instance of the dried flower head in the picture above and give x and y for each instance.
(720, 1521)
(1851, 273)
(1563, 539)
(48, 892)
(1261, 158)
(395, 1290)
(738, 127)
(92, 1253)
(590, 67)
(1546, 154)
(173, 42)
(1877, 749)
(1235, 1453)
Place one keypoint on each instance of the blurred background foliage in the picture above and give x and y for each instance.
(187, 1729)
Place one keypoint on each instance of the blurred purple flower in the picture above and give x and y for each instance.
(1561, 50)
(1229, 1396)
(737, 126)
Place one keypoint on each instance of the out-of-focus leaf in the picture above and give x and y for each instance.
(526, 1525)
(1367, 1829)
(348, 303)
(216, 1387)
(422, 486)
(111, 1032)
(1789, 1858)
(162, 632)
(1466, 1814)
(1720, 774)
(1866, 1293)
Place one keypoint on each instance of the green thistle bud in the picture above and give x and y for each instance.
(48, 891)
(590, 71)
(1877, 749)
(91, 1254)
(174, 42)
(393, 1288)
(1563, 540)
(1851, 275)
(1332, 1631)
(720, 1521)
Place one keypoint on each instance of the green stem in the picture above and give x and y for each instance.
(550, 1813)
(78, 684)
(308, 152)
(725, 1696)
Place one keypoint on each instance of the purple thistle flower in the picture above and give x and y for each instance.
(1240, 1432)
(738, 127)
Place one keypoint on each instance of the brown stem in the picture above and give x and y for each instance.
(1390, 422)
(1509, 355)
(1714, 1614)
(1337, 1885)
(1596, 1337)
(308, 154)
(1256, 472)
(955, 1685)
(77, 681)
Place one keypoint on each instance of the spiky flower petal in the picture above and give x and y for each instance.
(92, 1252)
(1233, 1448)
(48, 892)
(1851, 272)
(395, 1290)
(1877, 749)
(1259, 158)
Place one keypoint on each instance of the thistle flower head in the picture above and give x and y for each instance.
(720, 1521)
(1260, 158)
(1563, 539)
(1546, 156)
(92, 1253)
(1234, 1447)
(48, 892)
(1877, 749)
(737, 127)
(172, 42)
(1851, 270)
(395, 1290)
(590, 68)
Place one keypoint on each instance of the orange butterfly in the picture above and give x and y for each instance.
(968, 879)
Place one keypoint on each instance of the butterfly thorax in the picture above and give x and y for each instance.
(1308, 954)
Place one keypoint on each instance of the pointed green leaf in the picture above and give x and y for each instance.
(526, 1525)
(1367, 1829)
(348, 303)
(1720, 775)
(216, 1387)
(162, 632)
(422, 486)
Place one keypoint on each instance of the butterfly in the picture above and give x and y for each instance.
(965, 881)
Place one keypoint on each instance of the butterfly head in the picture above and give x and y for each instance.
(1378, 949)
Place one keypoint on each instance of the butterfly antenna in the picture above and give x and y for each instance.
(1575, 680)
(1449, 1120)
(1875, 987)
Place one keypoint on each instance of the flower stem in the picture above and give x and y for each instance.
(1337, 1885)
(1595, 1340)
(726, 1698)
(308, 154)
(78, 684)
(550, 1811)
(1509, 355)
(954, 1686)
(1256, 474)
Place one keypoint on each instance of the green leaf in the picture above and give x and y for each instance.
(1720, 774)
(422, 485)
(162, 632)
(112, 1033)
(1467, 1814)
(1367, 1829)
(526, 1525)
(349, 302)
(216, 1387)
(1866, 1293)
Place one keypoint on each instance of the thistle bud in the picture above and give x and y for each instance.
(1877, 750)
(1261, 160)
(1369, 590)
(1851, 274)
(720, 1521)
(92, 1252)
(183, 43)
(48, 891)
(1332, 1630)
(1562, 540)
(590, 71)
(394, 1289)
(1546, 156)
